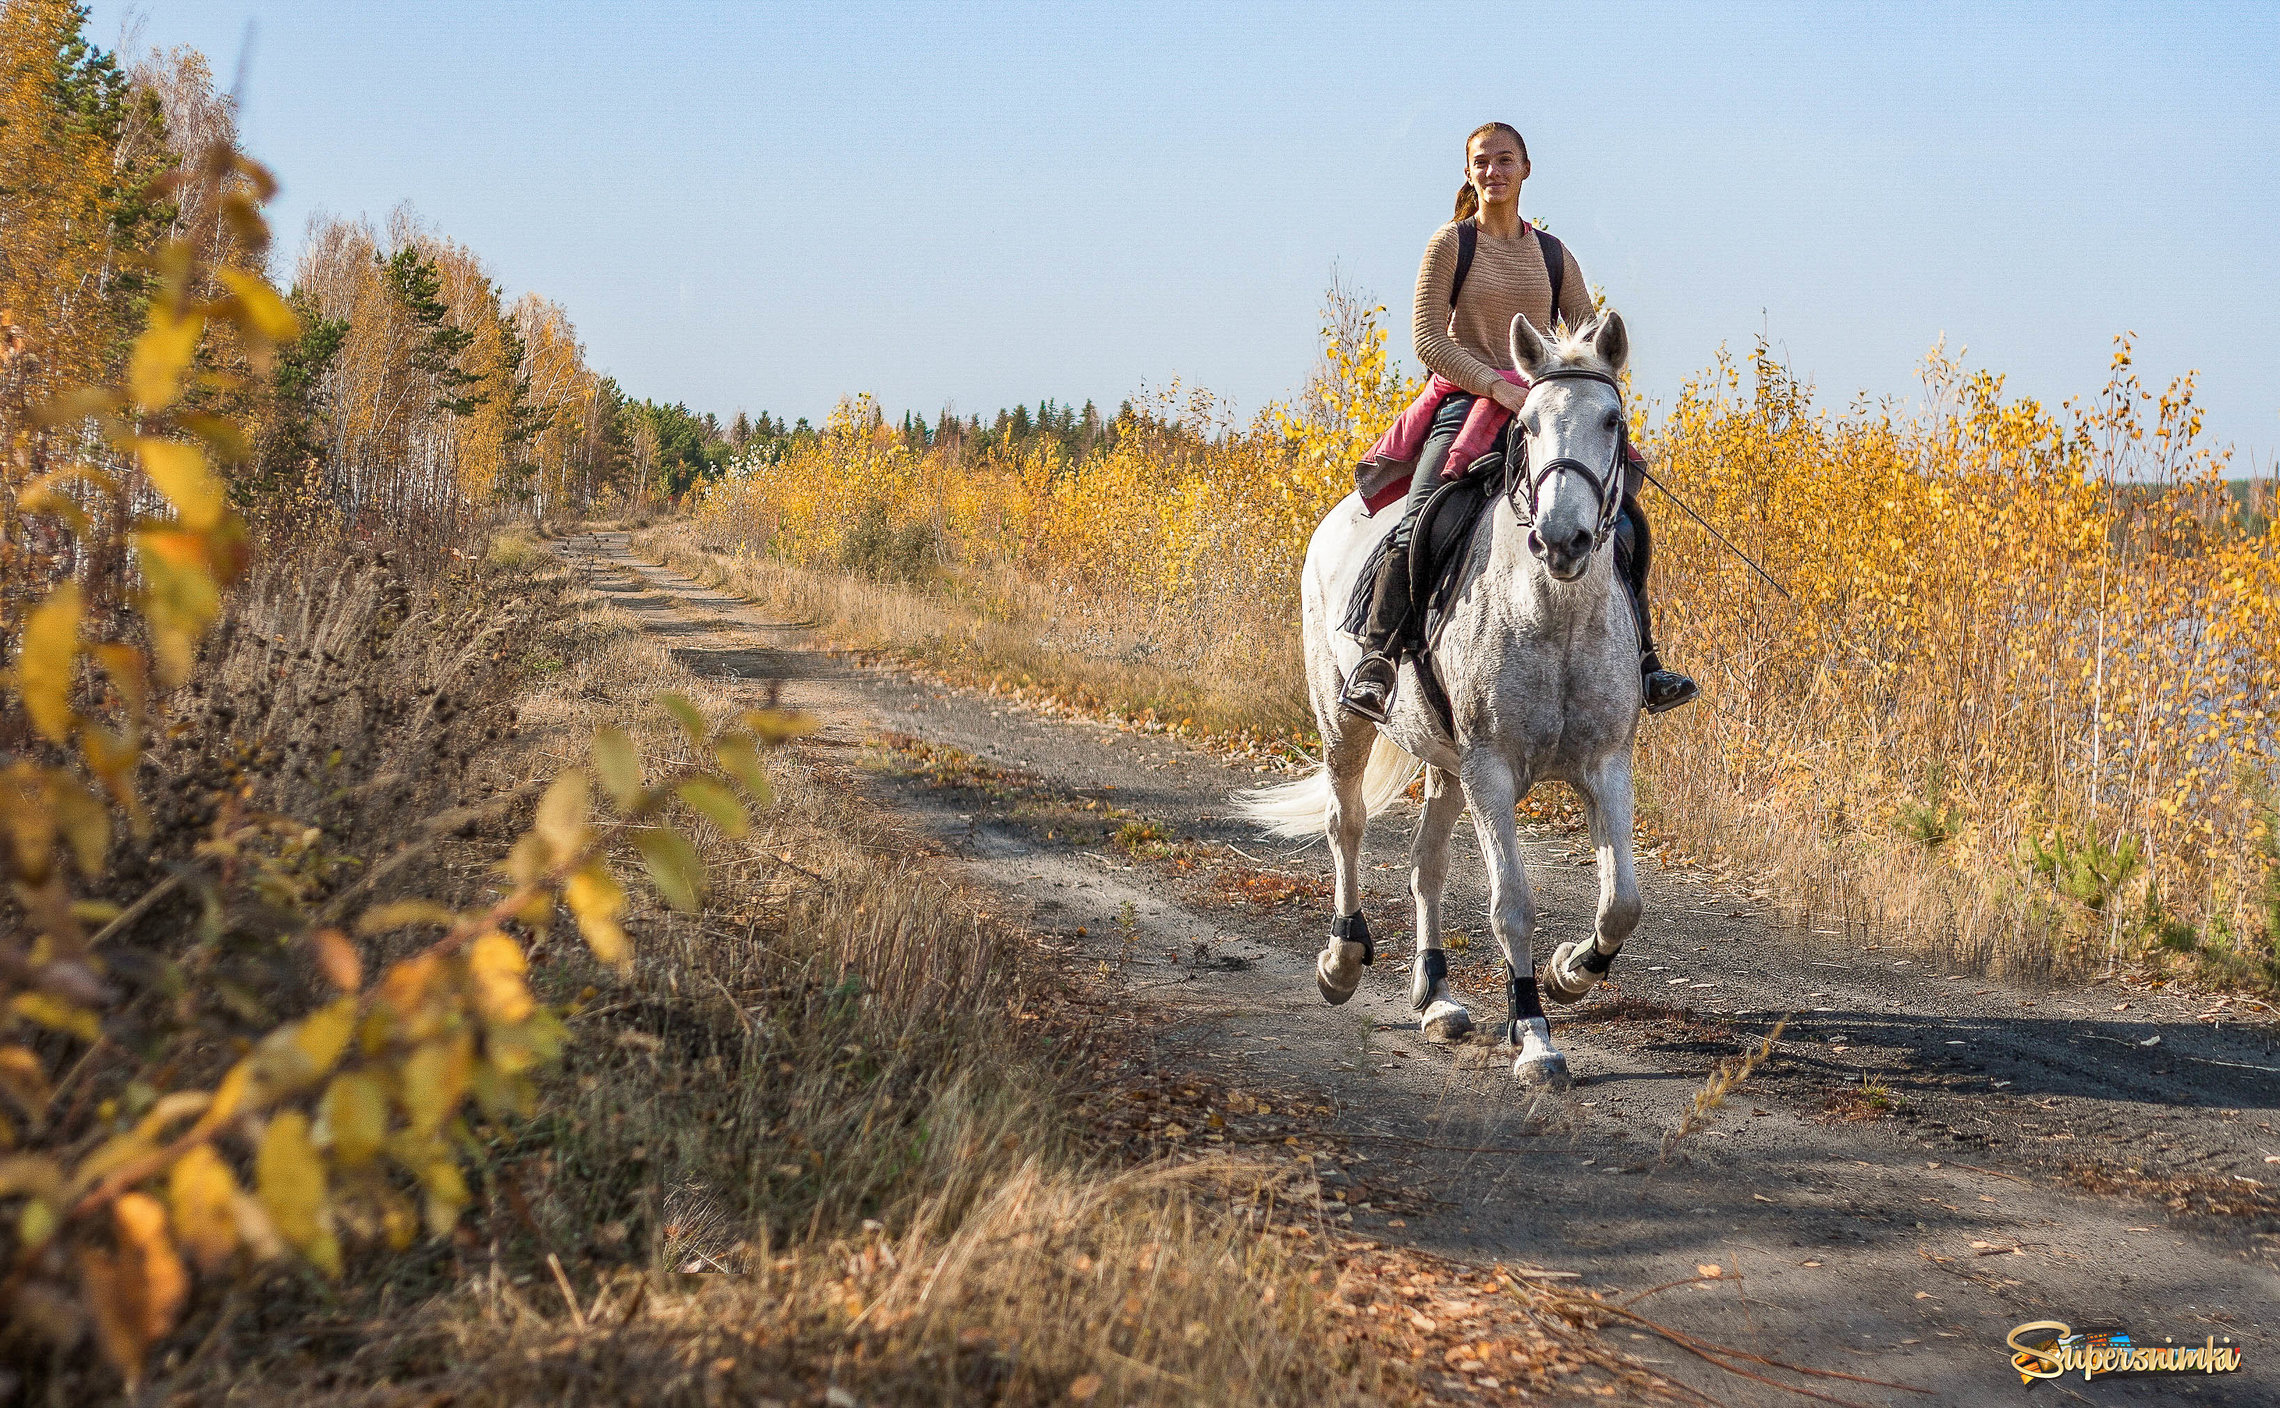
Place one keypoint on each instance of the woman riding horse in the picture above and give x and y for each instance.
(1479, 270)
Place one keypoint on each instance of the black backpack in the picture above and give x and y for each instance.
(1468, 239)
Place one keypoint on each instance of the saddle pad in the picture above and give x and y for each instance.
(1444, 530)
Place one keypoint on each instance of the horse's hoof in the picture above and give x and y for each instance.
(1334, 991)
(1546, 1071)
(1562, 981)
(1445, 1021)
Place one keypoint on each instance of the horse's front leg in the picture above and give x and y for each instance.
(1440, 1016)
(1493, 791)
(1577, 966)
(1338, 968)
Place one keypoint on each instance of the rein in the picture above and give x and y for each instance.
(1523, 480)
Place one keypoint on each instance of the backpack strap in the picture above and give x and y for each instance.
(1555, 261)
(1468, 239)
(1555, 264)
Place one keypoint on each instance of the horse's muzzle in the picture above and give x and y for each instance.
(1566, 559)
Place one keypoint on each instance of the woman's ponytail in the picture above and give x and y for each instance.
(1468, 199)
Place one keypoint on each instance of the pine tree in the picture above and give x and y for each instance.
(293, 441)
(417, 286)
(524, 421)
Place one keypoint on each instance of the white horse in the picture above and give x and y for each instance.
(1539, 655)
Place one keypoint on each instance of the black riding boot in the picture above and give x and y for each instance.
(1370, 688)
(1659, 689)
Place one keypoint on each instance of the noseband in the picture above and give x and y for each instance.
(1522, 480)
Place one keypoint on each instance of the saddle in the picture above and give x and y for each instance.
(1439, 547)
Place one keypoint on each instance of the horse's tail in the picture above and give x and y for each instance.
(1302, 808)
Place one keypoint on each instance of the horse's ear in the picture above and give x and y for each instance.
(1527, 344)
(1610, 340)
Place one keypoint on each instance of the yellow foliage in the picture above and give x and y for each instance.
(354, 1114)
(715, 803)
(179, 471)
(673, 866)
(162, 356)
(135, 1291)
(2030, 619)
(324, 1034)
(291, 1179)
(452, 1021)
(44, 664)
(434, 1078)
(496, 965)
(201, 1192)
(616, 763)
(597, 899)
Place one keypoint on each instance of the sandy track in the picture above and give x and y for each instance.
(1902, 1248)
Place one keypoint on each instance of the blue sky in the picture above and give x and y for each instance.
(764, 206)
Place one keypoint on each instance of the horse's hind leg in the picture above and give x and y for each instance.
(1492, 792)
(1338, 968)
(1440, 1016)
(1576, 967)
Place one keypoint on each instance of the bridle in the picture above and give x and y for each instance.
(1522, 480)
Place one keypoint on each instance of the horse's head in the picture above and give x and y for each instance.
(1570, 485)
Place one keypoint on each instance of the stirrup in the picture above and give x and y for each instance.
(1661, 691)
(1370, 688)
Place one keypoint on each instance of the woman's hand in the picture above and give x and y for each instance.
(1510, 397)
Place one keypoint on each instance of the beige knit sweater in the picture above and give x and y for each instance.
(1469, 345)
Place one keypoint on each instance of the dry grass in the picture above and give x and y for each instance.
(1721, 1083)
(1692, 798)
(1858, 1104)
(844, 1093)
(2187, 1195)
(1108, 656)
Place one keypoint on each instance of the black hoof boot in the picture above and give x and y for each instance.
(1336, 972)
(1369, 690)
(1663, 690)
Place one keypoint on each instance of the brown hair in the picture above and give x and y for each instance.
(1468, 199)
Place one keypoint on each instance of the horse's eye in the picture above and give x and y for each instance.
(1611, 421)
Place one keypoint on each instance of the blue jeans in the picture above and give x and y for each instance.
(1448, 420)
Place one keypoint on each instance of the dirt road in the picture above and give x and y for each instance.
(1927, 1160)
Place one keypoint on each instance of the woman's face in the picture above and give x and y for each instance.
(1495, 167)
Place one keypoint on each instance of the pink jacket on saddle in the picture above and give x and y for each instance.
(1382, 476)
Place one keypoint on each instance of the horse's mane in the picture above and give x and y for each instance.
(1572, 350)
